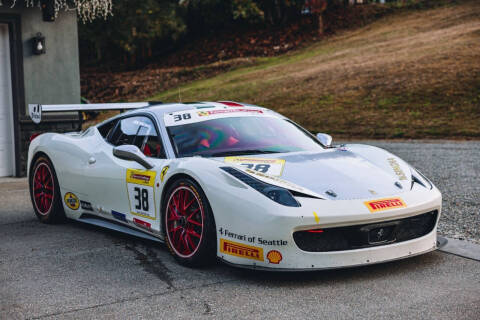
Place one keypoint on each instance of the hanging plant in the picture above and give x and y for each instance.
(87, 10)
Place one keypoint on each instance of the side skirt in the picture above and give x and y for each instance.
(90, 219)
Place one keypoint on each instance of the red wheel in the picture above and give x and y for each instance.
(44, 191)
(188, 224)
(184, 222)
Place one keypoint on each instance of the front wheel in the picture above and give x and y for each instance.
(189, 226)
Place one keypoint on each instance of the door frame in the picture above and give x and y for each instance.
(18, 91)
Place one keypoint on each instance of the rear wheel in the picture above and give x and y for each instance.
(45, 192)
(189, 225)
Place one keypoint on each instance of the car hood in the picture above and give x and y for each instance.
(342, 173)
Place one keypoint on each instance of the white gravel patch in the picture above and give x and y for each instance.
(454, 167)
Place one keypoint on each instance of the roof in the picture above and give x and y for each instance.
(161, 109)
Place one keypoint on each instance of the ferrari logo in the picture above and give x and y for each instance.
(164, 172)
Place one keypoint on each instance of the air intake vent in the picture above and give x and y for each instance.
(366, 235)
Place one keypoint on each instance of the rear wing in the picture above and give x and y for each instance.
(35, 110)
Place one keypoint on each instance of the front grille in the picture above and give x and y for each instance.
(366, 235)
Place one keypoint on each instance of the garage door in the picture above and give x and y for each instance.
(6, 109)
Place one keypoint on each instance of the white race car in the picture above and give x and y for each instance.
(234, 181)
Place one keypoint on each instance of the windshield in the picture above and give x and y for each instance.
(239, 136)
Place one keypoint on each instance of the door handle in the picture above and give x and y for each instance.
(92, 160)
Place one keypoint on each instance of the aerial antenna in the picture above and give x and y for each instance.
(179, 95)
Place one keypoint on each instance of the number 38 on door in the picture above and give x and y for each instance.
(141, 193)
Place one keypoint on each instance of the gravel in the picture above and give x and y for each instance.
(454, 167)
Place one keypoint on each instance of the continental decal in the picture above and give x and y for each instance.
(163, 173)
(142, 177)
(241, 250)
(396, 168)
(272, 167)
(385, 204)
(223, 111)
(274, 256)
(71, 201)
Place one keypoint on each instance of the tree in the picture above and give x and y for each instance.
(280, 12)
(87, 10)
(133, 32)
(208, 16)
(317, 8)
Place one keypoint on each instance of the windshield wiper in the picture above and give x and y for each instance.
(240, 152)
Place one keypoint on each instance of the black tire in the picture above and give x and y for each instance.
(206, 246)
(52, 213)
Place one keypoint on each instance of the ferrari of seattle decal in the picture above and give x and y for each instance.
(274, 256)
(252, 239)
(71, 201)
(385, 204)
(241, 250)
(273, 167)
(396, 168)
(141, 194)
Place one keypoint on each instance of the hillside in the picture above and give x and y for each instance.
(413, 74)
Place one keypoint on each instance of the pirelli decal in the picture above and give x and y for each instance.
(385, 204)
(241, 250)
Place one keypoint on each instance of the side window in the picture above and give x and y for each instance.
(139, 131)
(105, 128)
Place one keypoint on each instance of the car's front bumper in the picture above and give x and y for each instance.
(252, 237)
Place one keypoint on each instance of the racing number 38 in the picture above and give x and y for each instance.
(141, 198)
(140, 189)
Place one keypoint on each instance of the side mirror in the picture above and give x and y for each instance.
(325, 139)
(131, 152)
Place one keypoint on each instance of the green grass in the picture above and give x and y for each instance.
(409, 75)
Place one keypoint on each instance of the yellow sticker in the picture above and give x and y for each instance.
(142, 177)
(71, 201)
(241, 250)
(317, 219)
(164, 172)
(274, 256)
(141, 193)
(385, 204)
(273, 167)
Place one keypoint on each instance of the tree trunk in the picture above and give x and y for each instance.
(321, 28)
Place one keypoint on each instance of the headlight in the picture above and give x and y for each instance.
(278, 194)
(418, 177)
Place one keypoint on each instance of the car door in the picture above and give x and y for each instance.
(122, 189)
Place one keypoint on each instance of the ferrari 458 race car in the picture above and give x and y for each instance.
(234, 181)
